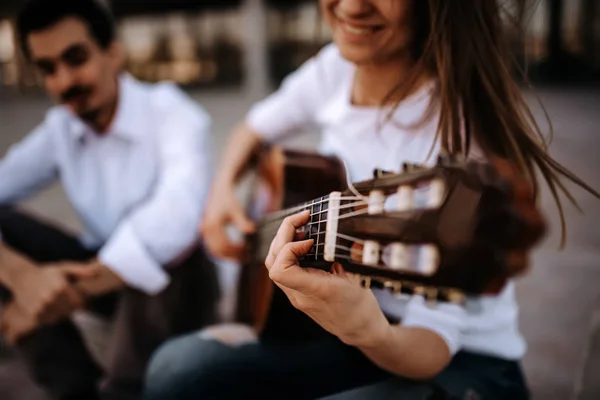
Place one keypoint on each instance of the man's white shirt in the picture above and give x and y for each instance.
(139, 190)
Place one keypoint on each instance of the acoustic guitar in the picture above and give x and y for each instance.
(446, 232)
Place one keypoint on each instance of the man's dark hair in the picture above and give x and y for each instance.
(37, 15)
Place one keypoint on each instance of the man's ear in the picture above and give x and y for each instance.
(116, 52)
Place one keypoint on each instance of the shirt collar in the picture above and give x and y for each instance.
(127, 120)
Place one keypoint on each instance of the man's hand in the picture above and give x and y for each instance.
(50, 293)
(46, 294)
(94, 279)
(41, 295)
(335, 300)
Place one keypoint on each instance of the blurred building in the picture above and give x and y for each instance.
(208, 42)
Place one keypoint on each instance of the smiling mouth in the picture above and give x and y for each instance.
(360, 30)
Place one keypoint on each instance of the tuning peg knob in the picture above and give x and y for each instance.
(410, 167)
(378, 172)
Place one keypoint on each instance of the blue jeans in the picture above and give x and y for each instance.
(189, 367)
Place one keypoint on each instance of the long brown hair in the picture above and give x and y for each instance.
(465, 44)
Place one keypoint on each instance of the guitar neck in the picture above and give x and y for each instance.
(315, 229)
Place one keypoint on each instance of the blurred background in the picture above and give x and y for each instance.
(229, 53)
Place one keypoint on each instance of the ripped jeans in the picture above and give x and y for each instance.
(197, 367)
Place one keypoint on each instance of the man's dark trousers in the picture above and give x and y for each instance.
(56, 355)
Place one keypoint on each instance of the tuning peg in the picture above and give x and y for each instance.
(376, 203)
(410, 167)
(371, 250)
(436, 193)
(398, 256)
(378, 172)
(430, 258)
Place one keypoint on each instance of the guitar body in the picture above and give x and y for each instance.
(284, 178)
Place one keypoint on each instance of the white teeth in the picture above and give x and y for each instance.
(356, 31)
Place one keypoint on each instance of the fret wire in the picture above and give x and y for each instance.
(318, 229)
(311, 219)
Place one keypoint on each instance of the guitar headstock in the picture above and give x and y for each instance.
(457, 228)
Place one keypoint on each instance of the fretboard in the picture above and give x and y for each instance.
(315, 228)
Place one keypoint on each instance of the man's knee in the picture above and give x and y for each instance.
(182, 367)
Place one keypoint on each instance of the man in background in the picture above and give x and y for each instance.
(133, 159)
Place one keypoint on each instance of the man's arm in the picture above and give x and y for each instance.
(165, 226)
(28, 166)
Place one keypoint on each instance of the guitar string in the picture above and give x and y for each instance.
(293, 210)
(349, 257)
(338, 235)
(343, 207)
(274, 229)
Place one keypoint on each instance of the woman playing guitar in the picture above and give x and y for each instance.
(402, 81)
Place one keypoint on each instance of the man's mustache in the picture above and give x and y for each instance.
(74, 92)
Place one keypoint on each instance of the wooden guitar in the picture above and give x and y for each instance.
(445, 232)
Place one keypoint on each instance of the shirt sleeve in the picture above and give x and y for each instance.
(163, 228)
(447, 320)
(296, 103)
(28, 166)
